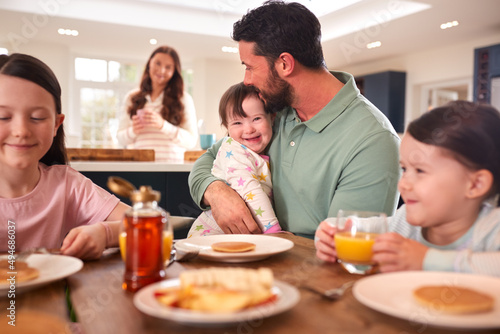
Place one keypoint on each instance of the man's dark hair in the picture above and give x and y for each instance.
(278, 27)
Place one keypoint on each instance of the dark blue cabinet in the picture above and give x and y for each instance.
(386, 90)
(495, 60)
(175, 196)
(486, 67)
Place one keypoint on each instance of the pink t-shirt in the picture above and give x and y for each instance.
(62, 199)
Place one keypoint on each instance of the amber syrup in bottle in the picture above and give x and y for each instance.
(144, 224)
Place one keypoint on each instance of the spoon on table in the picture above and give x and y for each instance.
(181, 256)
(331, 294)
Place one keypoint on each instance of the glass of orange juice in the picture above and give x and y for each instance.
(356, 233)
(168, 237)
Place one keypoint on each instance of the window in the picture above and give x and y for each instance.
(100, 86)
(100, 89)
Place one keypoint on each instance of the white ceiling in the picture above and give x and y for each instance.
(199, 28)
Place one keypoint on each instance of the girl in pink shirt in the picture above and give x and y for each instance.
(43, 201)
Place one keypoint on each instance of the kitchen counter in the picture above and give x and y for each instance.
(171, 180)
(130, 166)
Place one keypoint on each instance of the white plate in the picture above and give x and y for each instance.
(51, 267)
(265, 246)
(287, 297)
(393, 294)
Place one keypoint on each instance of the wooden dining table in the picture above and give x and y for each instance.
(102, 306)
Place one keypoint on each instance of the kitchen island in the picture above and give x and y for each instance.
(170, 179)
(130, 166)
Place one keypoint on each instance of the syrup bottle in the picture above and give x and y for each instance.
(144, 224)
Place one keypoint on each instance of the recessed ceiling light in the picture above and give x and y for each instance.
(4, 51)
(374, 45)
(153, 41)
(67, 32)
(229, 49)
(450, 24)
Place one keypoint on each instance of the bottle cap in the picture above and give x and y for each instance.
(124, 188)
(145, 194)
(120, 186)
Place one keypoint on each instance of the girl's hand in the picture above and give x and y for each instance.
(323, 240)
(85, 242)
(395, 253)
(152, 119)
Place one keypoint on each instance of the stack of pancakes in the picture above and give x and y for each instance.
(219, 289)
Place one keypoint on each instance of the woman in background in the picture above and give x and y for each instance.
(160, 115)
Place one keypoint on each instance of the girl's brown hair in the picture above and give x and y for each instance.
(32, 69)
(469, 131)
(232, 100)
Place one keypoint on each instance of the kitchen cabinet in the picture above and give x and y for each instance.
(386, 90)
(175, 196)
(171, 180)
(486, 68)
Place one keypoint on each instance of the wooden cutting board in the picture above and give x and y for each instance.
(105, 154)
(192, 156)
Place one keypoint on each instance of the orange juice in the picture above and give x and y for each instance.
(355, 248)
(122, 241)
(167, 244)
(168, 238)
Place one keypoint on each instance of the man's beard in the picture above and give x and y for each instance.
(279, 94)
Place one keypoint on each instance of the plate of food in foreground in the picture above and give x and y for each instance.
(217, 296)
(234, 247)
(442, 299)
(36, 270)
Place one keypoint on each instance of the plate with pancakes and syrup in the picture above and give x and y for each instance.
(234, 248)
(440, 299)
(217, 296)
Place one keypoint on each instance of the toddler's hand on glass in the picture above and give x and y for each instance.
(323, 240)
(394, 252)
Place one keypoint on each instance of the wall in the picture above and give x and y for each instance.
(210, 80)
(57, 57)
(212, 77)
(445, 64)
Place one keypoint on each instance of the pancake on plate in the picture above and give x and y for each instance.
(219, 289)
(233, 246)
(454, 299)
(4, 263)
(22, 271)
